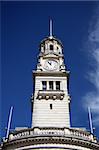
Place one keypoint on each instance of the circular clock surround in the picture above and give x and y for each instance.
(51, 65)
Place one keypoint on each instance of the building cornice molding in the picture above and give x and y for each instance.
(51, 140)
(37, 136)
(54, 74)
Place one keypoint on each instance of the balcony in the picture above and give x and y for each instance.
(50, 94)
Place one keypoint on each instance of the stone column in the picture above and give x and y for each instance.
(47, 85)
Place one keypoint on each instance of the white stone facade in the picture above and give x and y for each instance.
(59, 115)
(54, 147)
(43, 116)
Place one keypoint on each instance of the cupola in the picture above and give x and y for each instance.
(51, 44)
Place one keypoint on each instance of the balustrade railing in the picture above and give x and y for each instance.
(64, 132)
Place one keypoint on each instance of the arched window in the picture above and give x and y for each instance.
(51, 47)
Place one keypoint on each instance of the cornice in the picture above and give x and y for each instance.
(54, 74)
(45, 136)
(51, 140)
(50, 55)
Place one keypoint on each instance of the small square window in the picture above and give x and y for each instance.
(50, 106)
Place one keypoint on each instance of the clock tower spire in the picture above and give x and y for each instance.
(51, 28)
(51, 96)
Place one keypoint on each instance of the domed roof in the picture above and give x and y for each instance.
(51, 38)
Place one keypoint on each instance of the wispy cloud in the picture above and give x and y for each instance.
(92, 98)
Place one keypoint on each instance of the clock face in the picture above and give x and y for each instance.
(51, 65)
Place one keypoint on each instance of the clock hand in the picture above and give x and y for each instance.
(49, 62)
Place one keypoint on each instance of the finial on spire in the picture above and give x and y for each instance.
(51, 29)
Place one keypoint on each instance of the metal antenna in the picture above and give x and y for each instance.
(9, 122)
(51, 28)
(90, 120)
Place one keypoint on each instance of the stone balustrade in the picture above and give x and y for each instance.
(63, 132)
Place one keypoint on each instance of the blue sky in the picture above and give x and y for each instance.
(24, 25)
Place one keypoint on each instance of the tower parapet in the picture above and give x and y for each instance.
(51, 138)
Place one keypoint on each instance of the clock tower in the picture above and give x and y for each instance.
(51, 128)
(50, 101)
